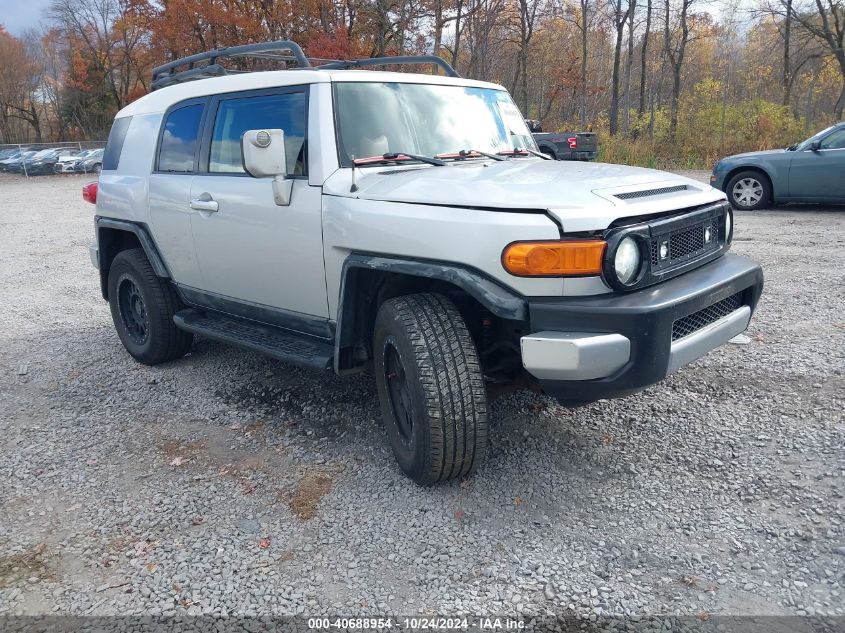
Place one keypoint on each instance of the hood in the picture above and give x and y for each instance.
(581, 195)
(765, 152)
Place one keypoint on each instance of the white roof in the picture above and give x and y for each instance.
(160, 100)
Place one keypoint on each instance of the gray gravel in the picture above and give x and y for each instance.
(226, 483)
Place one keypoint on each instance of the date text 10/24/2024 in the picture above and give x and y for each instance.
(417, 624)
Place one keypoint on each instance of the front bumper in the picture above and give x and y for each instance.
(588, 348)
(717, 179)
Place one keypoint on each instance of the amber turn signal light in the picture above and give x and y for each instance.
(565, 258)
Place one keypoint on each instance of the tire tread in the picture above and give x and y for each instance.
(452, 383)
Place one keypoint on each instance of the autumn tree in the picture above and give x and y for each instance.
(19, 80)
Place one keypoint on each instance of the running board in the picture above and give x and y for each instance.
(270, 341)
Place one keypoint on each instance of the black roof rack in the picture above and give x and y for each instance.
(441, 63)
(283, 51)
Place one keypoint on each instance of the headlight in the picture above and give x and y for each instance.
(728, 226)
(626, 261)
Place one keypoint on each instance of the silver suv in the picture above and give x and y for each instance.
(346, 219)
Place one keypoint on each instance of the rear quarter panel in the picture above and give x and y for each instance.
(123, 193)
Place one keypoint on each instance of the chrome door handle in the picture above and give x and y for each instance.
(205, 203)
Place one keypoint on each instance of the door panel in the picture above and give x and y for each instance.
(253, 250)
(170, 224)
(170, 188)
(249, 248)
(821, 173)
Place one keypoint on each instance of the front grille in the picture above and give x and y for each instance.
(697, 320)
(685, 244)
(631, 195)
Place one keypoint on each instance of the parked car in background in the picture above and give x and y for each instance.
(16, 166)
(9, 152)
(92, 162)
(564, 145)
(43, 161)
(65, 163)
(12, 163)
(811, 171)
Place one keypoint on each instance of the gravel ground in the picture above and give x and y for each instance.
(226, 483)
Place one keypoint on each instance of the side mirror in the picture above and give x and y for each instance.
(815, 146)
(263, 154)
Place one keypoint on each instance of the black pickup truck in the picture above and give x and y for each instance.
(565, 145)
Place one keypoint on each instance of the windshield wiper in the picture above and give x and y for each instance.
(469, 153)
(396, 157)
(522, 151)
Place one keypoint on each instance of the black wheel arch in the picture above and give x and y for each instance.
(368, 280)
(114, 236)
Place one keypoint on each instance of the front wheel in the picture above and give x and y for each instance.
(749, 191)
(431, 388)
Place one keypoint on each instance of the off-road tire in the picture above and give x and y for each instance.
(162, 340)
(446, 390)
(750, 176)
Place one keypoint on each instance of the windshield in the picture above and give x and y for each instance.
(381, 118)
(44, 153)
(816, 137)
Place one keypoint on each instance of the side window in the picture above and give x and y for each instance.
(178, 146)
(114, 145)
(235, 116)
(835, 140)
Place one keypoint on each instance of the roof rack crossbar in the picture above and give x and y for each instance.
(166, 74)
(441, 63)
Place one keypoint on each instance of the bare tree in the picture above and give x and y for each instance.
(618, 17)
(581, 16)
(528, 13)
(644, 56)
(676, 37)
(802, 44)
(629, 63)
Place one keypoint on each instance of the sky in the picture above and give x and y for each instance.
(19, 15)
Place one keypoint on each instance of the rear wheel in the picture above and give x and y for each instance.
(142, 308)
(431, 388)
(749, 191)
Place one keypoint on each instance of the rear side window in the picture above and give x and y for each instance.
(235, 116)
(114, 146)
(178, 146)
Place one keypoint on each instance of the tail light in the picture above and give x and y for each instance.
(89, 192)
(573, 142)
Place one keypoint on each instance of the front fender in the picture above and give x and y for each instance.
(363, 275)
